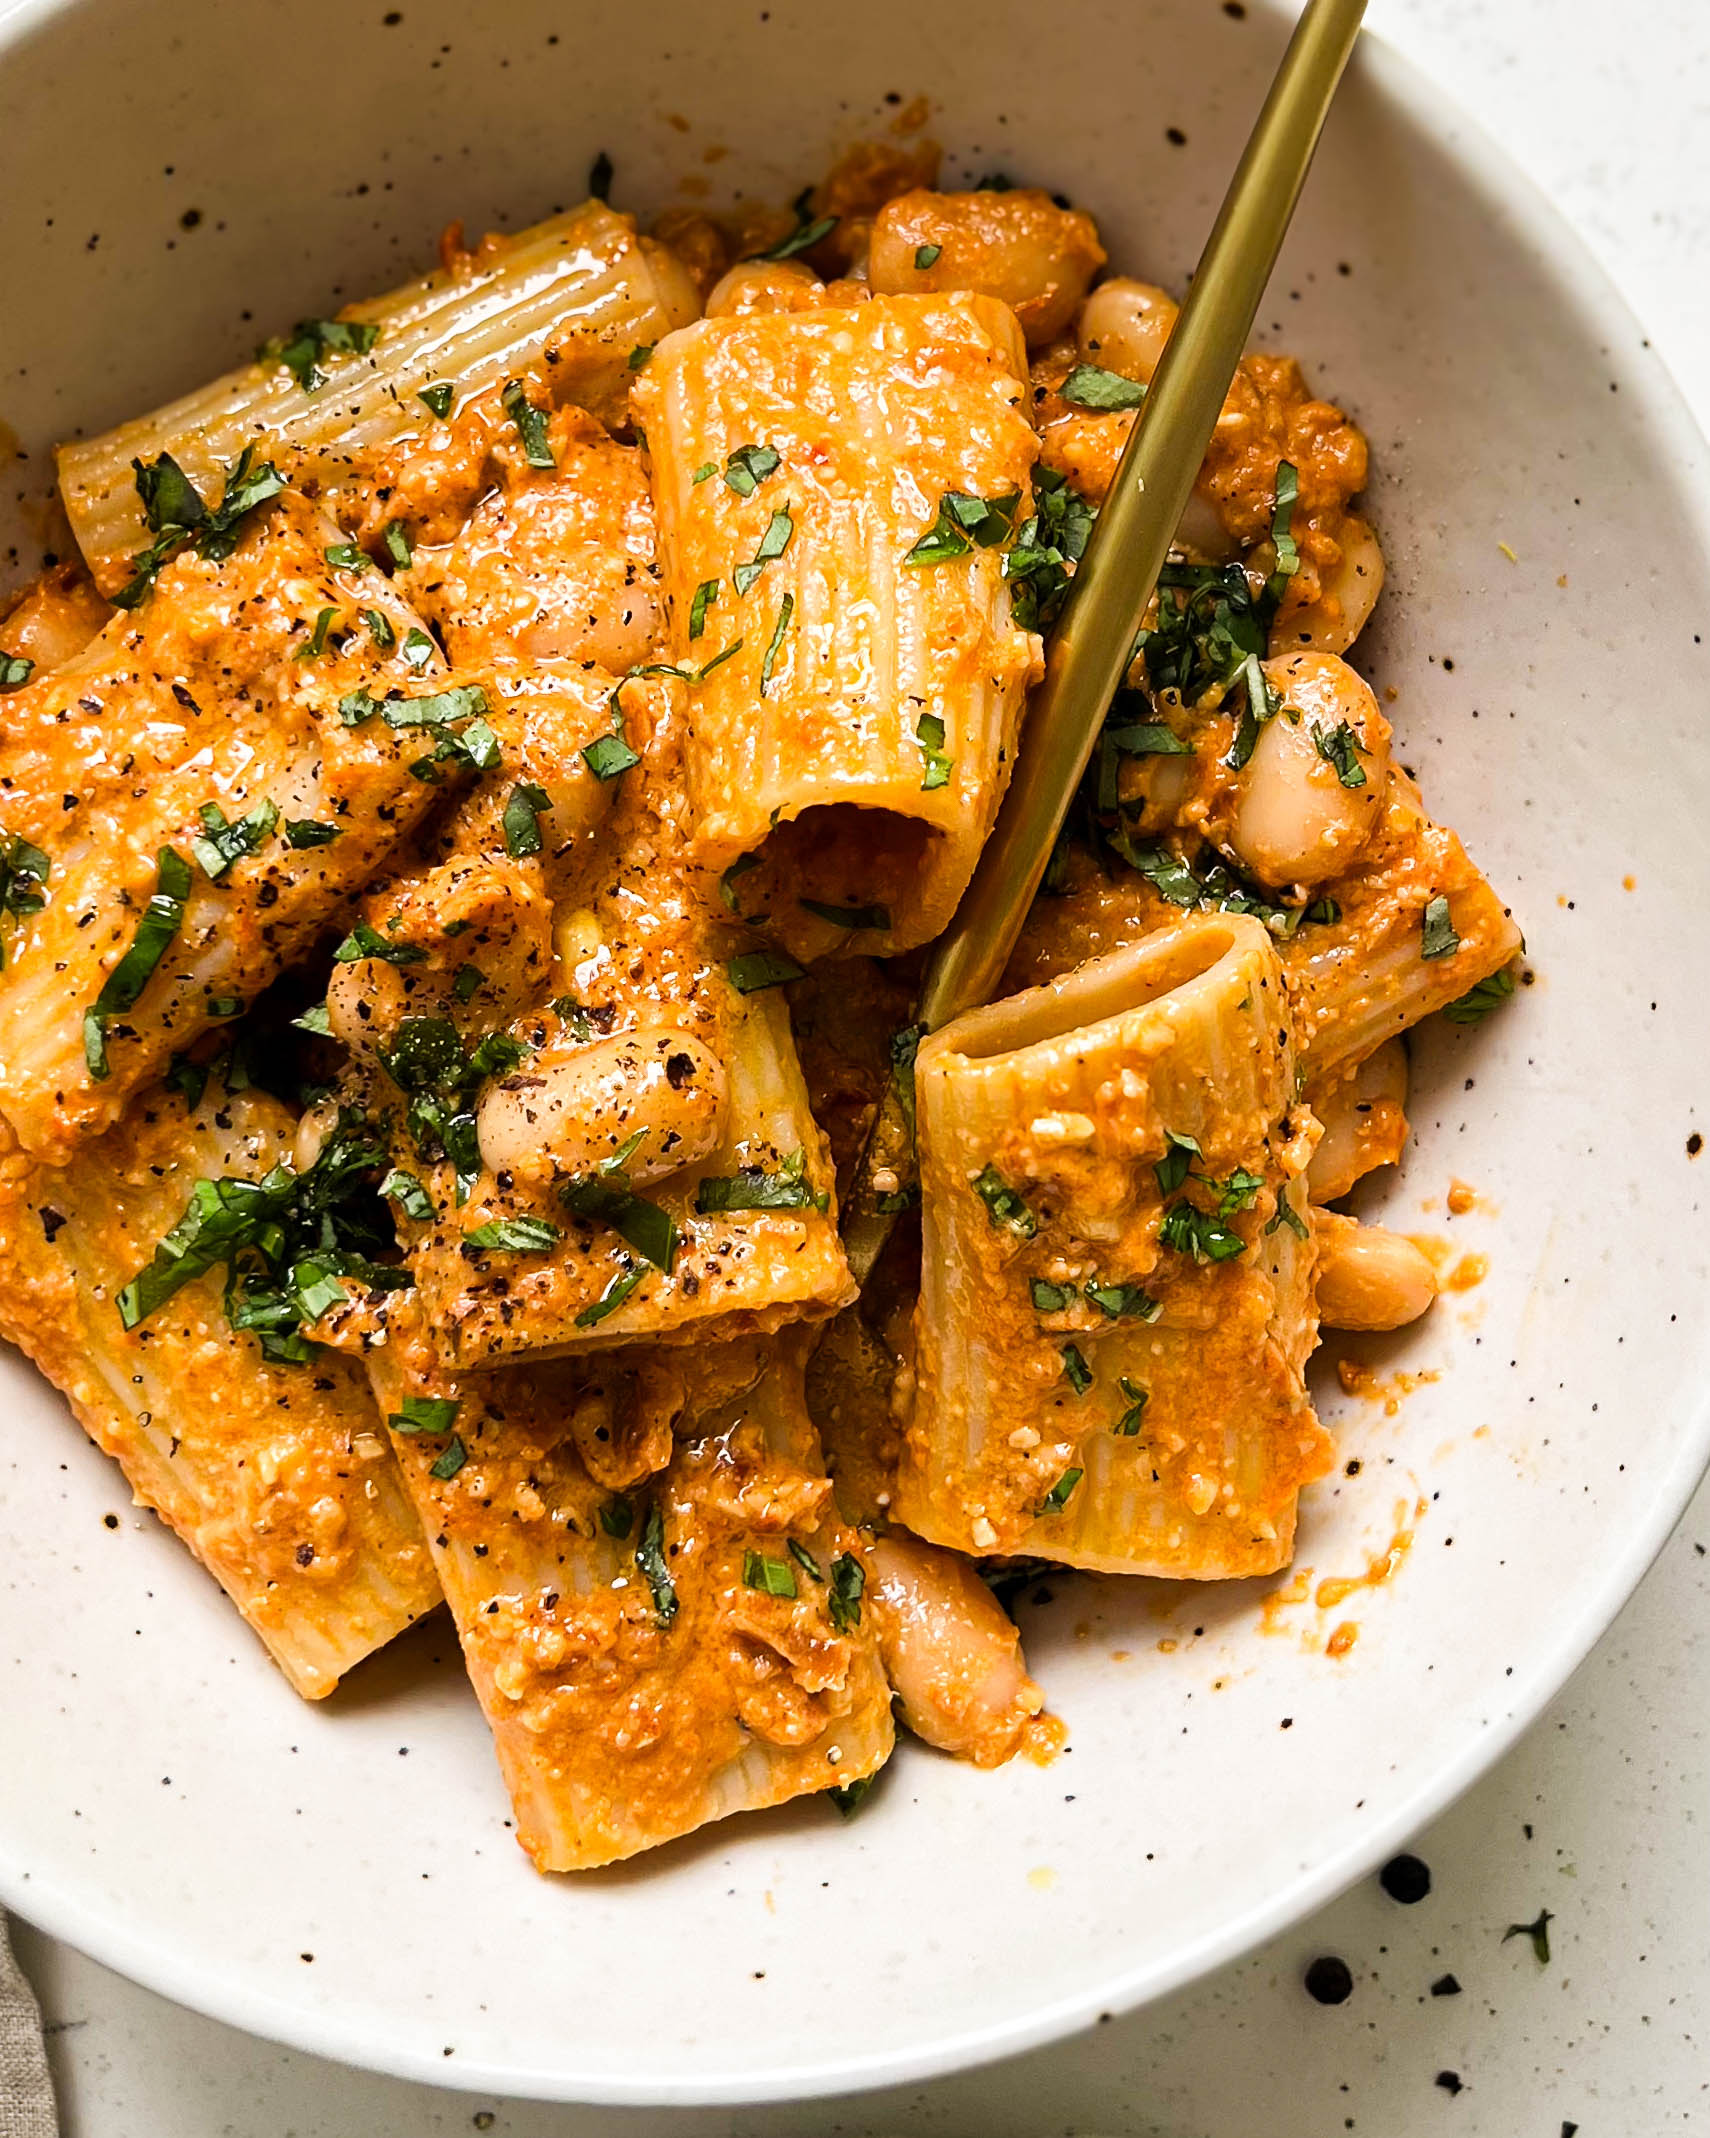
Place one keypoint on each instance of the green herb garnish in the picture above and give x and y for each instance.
(650, 1558)
(179, 519)
(304, 351)
(757, 969)
(929, 734)
(614, 1295)
(848, 1581)
(1340, 746)
(161, 921)
(531, 425)
(706, 594)
(1179, 1154)
(760, 1188)
(523, 812)
(514, 1236)
(773, 544)
(1058, 1497)
(437, 399)
(16, 670)
(1080, 1374)
(802, 239)
(786, 609)
(1091, 386)
(220, 843)
(1437, 937)
(926, 256)
(1479, 1000)
(963, 524)
(877, 917)
(425, 1414)
(1052, 1298)
(1004, 1204)
(747, 468)
(772, 1577)
(448, 1464)
(1128, 1425)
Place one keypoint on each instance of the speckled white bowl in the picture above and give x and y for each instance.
(179, 177)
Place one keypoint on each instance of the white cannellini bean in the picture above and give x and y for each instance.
(558, 1119)
(1124, 325)
(1349, 1111)
(678, 291)
(1369, 1278)
(1016, 245)
(764, 286)
(1295, 821)
(1347, 595)
(951, 1652)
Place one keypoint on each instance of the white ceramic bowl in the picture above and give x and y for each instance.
(166, 1803)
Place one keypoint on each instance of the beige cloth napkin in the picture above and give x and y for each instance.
(26, 2091)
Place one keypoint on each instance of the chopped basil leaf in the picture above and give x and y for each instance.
(448, 1465)
(650, 1558)
(1189, 1230)
(1004, 1205)
(772, 1577)
(1179, 1154)
(16, 670)
(301, 832)
(531, 425)
(1147, 738)
(1058, 1497)
(304, 351)
(1129, 1423)
(1340, 746)
(850, 1796)
(514, 1236)
(380, 629)
(1288, 1215)
(178, 518)
(1052, 1298)
(963, 523)
(1262, 706)
(926, 256)
(705, 596)
(1538, 1932)
(609, 755)
(408, 1193)
(705, 472)
(225, 1005)
(847, 916)
(727, 884)
(848, 1581)
(760, 1188)
(397, 540)
(437, 399)
(1046, 544)
(24, 871)
(220, 843)
(425, 1414)
(617, 1516)
(366, 941)
(346, 557)
(463, 702)
(804, 1558)
(600, 186)
(773, 543)
(1124, 1302)
(802, 239)
(1437, 934)
(613, 1296)
(896, 1200)
(1479, 1000)
(419, 650)
(638, 356)
(314, 1019)
(748, 467)
(757, 969)
(786, 609)
(161, 921)
(1282, 516)
(468, 982)
(905, 1046)
(607, 1196)
(528, 803)
(1091, 386)
(1238, 1192)
(1079, 1372)
(929, 733)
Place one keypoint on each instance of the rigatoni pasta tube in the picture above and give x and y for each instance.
(1115, 1309)
(860, 678)
(278, 1477)
(662, 1614)
(569, 299)
(191, 801)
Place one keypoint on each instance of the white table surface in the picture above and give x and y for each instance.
(1602, 1815)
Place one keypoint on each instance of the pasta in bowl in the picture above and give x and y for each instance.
(621, 648)
(1235, 1748)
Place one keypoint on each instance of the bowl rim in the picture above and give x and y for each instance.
(1589, 289)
